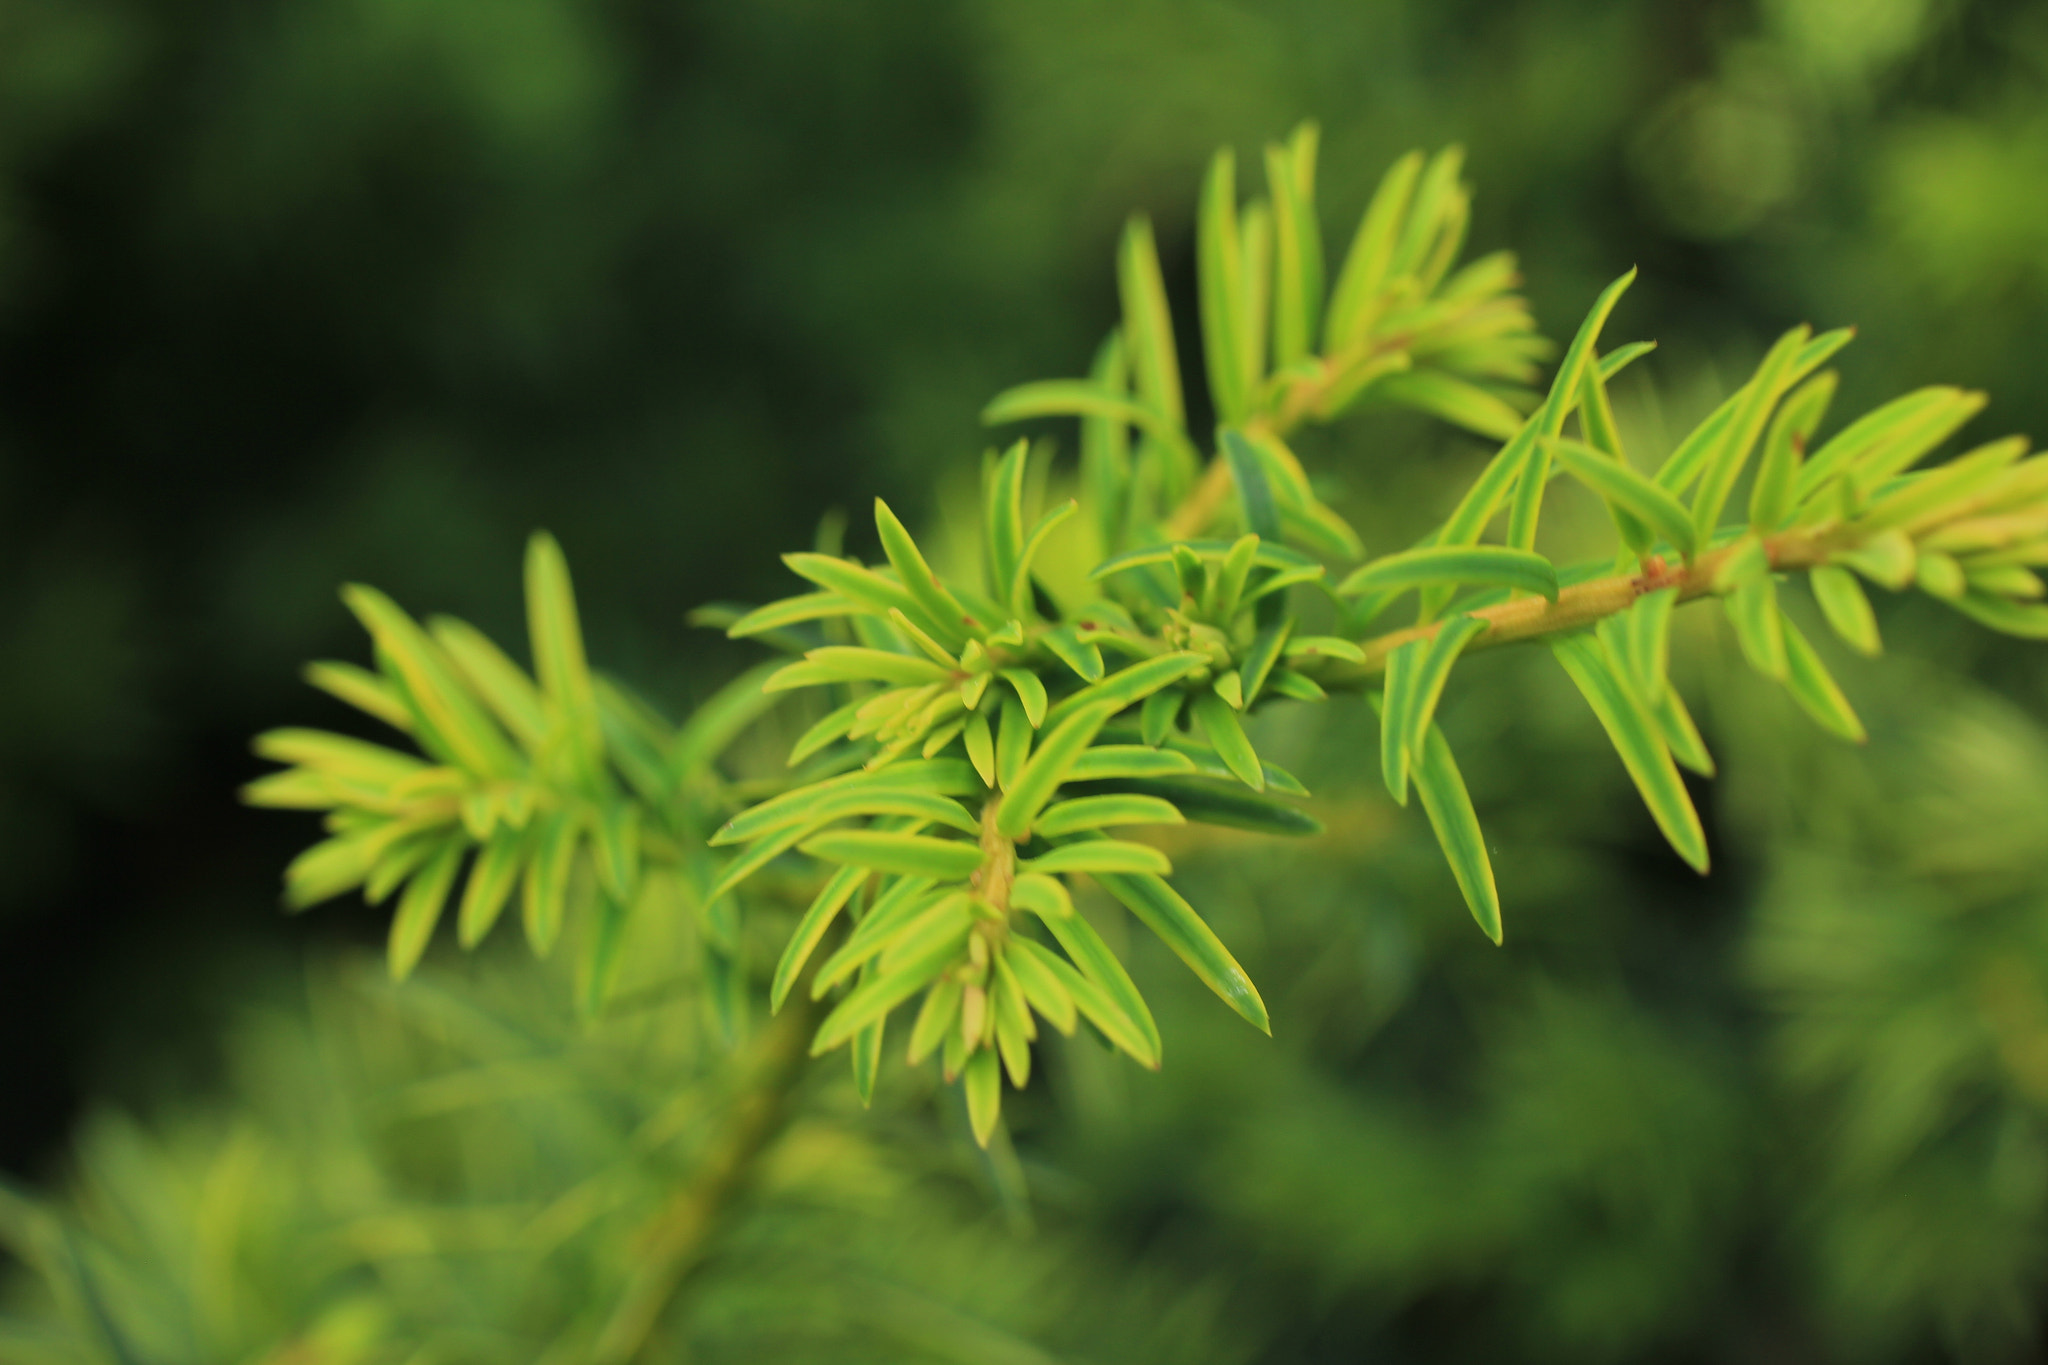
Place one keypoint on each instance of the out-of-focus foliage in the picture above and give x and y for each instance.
(400, 319)
(1901, 946)
(445, 1171)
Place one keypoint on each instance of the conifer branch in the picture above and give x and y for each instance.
(1531, 618)
(979, 744)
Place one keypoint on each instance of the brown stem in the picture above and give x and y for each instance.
(1202, 503)
(1531, 618)
(998, 861)
(1302, 398)
(679, 1237)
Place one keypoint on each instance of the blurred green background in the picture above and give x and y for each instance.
(295, 294)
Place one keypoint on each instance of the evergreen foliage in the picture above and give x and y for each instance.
(899, 820)
(981, 739)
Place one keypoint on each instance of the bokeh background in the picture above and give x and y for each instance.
(293, 294)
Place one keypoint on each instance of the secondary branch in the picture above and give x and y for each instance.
(1584, 604)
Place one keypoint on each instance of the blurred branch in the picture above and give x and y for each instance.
(679, 1238)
